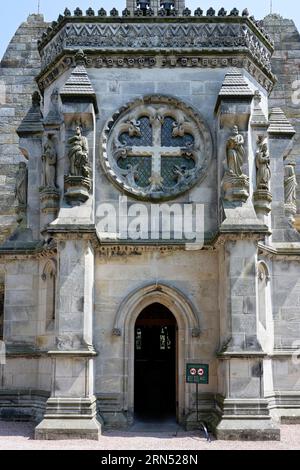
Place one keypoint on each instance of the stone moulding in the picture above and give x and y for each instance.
(67, 22)
(262, 201)
(222, 36)
(138, 59)
(49, 200)
(77, 189)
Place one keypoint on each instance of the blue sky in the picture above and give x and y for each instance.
(13, 12)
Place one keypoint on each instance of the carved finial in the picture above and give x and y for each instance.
(245, 12)
(102, 12)
(67, 12)
(234, 12)
(198, 12)
(78, 12)
(114, 12)
(36, 99)
(126, 12)
(211, 12)
(222, 12)
(90, 12)
(186, 12)
(80, 58)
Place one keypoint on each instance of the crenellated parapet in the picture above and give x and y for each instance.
(169, 37)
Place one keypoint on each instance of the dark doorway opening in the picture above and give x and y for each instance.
(155, 363)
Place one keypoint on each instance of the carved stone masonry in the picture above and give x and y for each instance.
(156, 148)
(21, 189)
(262, 195)
(235, 184)
(78, 182)
(290, 188)
(49, 194)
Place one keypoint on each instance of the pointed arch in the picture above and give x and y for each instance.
(188, 324)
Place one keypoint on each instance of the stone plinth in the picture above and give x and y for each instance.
(262, 202)
(235, 188)
(77, 189)
(49, 198)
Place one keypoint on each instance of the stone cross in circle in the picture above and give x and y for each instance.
(157, 152)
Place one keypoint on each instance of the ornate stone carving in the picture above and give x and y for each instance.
(263, 175)
(49, 194)
(235, 184)
(49, 161)
(131, 36)
(235, 153)
(262, 195)
(126, 60)
(21, 189)
(65, 342)
(290, 191)
(78, 155)
(78, 182)
(156, 148)
(21, 185)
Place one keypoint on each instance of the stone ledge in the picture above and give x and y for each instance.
(247, 429)
(62, 429)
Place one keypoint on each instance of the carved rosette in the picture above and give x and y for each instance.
(156, 148)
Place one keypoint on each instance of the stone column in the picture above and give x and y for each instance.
(71, 410)
(244, 409)
(281, 135)
(31, 133)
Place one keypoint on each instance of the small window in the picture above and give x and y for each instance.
(138, 339)
(165, 342)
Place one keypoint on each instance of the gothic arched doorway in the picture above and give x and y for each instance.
(155, 363)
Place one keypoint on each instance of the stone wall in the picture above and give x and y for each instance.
(18, 69)
(285, 64)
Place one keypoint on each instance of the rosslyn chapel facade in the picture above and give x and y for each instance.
(149, 220)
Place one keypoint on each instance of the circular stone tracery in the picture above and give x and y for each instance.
(156, 148)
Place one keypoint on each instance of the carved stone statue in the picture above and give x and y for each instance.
(49, 159)
(263, 175)
(235, 152)
(21, 185)
(79, 155)
(290, 184)
(235, 184)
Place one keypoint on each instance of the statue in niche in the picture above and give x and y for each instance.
(49, 160)
(79, 155)
(235, 153)
(263, 175)
(21, 184)
(290, 184)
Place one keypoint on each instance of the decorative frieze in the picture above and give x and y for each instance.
(147, 36)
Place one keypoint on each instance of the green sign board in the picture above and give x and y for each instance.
(197, 373)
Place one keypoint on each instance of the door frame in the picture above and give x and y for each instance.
(188, 326)
(160, 323)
